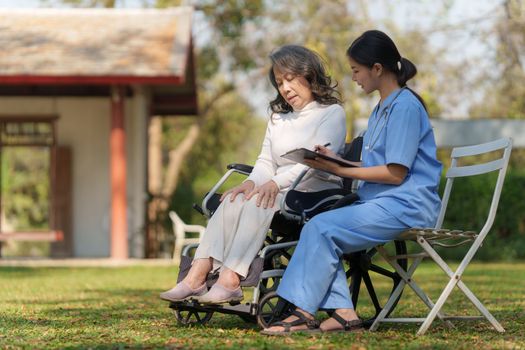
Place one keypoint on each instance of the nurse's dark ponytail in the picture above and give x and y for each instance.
(374, 46)
(407, 70)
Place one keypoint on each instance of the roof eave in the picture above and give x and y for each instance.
(90, 80)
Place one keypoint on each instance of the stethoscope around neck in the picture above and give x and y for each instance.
(384, 115)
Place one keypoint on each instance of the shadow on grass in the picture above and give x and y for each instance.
(103, 309)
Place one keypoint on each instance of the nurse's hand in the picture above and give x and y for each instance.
(325, 151)
(266, 194)
(245, 188)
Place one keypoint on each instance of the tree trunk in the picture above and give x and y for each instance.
(176, 160)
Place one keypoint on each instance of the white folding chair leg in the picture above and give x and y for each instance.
(388, 306)
(406, 280)
(455, 279)
(479, 305)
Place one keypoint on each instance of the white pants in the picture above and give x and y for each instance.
(235, 233)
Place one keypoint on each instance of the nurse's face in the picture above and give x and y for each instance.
(294, 89)
(367, 78)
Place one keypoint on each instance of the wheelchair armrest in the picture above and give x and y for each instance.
(232, 168)
(242, 168)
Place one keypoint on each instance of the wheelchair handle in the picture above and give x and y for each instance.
(286, 214)
(241, 168)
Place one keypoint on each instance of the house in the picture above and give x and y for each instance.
(82, 84)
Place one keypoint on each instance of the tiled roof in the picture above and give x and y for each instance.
(95, 42)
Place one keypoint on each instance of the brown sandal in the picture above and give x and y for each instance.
(348, 326)
(312, 325)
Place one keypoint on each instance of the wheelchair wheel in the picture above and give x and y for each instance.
(272, 308)
(269, 284)
(192, 316)
(365, 270)
(278, 259)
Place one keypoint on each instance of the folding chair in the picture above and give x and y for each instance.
(427, 238)
(180, 229)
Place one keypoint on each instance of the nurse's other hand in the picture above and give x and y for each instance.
(323, 164)
(246, 187)
(267, 194)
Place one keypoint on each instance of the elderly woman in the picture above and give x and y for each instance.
(306, 112)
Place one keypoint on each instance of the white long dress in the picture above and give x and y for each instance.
(236, 231)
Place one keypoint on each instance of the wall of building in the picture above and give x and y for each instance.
(84, 125)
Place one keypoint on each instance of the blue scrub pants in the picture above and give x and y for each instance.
(315, 277)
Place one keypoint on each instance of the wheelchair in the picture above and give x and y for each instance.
(268, 267)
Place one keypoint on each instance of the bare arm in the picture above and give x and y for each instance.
(392, 174)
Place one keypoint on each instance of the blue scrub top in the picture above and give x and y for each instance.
(399, 132)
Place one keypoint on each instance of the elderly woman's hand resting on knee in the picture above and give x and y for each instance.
(245, 188)
(267, 194)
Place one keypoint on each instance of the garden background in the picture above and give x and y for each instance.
(470, 57)
(470, 66)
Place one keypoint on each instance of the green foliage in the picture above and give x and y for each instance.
(468, 209)
(229, 16)
(25, 188)
(230, 135)
(15, 248)
(87, 3)
(208, 62)
(25, 197)
(505, 93)
(119, 308)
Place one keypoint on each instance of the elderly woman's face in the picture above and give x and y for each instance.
(294, 89)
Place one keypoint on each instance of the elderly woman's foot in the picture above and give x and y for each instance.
(226, 290)
(193, 285)
(182, 291)
(219, 294)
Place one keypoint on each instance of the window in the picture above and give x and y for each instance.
(26, 155)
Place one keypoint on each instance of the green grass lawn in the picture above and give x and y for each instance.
(48, 308)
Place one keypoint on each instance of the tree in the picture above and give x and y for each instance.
(505, 91)
(328, 27)
(241, 34)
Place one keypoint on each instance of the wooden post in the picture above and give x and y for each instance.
(119, 226)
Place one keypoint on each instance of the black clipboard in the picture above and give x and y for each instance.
(300, 154)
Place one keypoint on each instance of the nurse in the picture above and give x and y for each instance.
(400, 176)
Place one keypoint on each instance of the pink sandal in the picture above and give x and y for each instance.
(183, 292)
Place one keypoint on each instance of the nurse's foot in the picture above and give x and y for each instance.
(299, 321)
(342, 320)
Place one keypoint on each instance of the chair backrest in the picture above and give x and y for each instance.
(503, 145)
(181, 228)
(352, 153)
(178, 224)
(353, 149)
